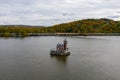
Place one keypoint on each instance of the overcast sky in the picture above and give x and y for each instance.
(50, 12)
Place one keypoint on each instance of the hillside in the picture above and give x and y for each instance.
(102, 25)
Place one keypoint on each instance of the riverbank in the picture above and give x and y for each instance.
(70, 34)
(74, 34)
(57, 34)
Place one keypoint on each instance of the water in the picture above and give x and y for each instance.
(92, 58)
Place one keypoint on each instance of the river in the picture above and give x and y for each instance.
(92, 58)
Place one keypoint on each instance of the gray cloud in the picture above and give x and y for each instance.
(115, 17)
(47, 12)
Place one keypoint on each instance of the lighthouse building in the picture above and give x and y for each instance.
(61, 49)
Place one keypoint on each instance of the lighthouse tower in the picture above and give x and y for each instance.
(65, 44)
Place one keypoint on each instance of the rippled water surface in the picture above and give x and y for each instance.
(92, 58)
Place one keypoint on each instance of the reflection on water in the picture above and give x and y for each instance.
(60, 59)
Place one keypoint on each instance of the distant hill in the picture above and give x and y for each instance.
(102, 25)
(19, 26)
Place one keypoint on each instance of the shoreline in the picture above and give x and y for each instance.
(58, 34)
(74, 34)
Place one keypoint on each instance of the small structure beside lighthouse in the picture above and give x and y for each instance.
(61, 49)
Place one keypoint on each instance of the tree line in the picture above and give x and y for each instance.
(102, 25)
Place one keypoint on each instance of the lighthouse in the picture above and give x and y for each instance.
(65, 44)
(61, 49)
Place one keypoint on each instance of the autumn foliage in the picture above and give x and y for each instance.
(81, 26)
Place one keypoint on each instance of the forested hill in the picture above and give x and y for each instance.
(102, 25)
(81, 26)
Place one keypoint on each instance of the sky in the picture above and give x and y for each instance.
(51, 12)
